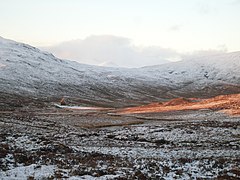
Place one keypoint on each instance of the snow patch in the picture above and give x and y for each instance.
(2, 65)
(24, 172)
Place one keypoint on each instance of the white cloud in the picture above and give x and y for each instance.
(114, 51)
(111, 51)
(196, 54)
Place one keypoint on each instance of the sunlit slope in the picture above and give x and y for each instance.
(225, 103)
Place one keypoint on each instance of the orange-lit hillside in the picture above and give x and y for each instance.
(227, 103)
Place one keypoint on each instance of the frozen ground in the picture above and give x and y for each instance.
(55, 143)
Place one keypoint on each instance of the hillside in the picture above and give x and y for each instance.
(28, 75)
(176, 133)
(226, 103)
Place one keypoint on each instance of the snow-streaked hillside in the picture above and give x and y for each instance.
(203, 76)
(26, 71)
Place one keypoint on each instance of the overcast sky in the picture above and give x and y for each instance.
(167, 29)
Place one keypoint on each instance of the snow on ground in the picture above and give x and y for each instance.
(105, 177)
(196, 145)
(26, 172)
(79, 107)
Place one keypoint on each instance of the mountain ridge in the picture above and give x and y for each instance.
(27, 72)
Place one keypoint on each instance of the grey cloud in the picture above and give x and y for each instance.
(205, 7)
(111, 51)
(176, 27)
(235, 2)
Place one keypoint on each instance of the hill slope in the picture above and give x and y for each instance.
(226, 103)
(30, 75)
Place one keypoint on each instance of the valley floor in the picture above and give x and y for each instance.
(94, 144)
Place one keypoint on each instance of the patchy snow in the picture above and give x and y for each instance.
(196, 145)
(25, 172)
(2, 65)
(142, 152)
(105, 177)
(78, 107)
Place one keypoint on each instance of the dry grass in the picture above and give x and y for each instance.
(228, 103)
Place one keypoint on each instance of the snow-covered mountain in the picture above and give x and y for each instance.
(28, 73)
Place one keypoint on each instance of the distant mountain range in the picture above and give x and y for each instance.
(28, 75)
